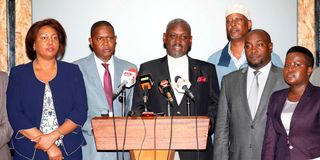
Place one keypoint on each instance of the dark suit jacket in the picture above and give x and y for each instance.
(304, 135)
(203, 78)
(25, 102)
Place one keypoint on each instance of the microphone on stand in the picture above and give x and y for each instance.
(128, 79)
(183, 87)
(146, 83)
(166, 90)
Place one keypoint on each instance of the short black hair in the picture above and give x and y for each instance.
(308, 54)
(101, 23)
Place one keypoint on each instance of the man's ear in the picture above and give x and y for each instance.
(164, 38)
(90, 40)
(249, 25)
(309, 71)
(270, 46)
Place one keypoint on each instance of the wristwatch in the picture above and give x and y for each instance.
(61, 135)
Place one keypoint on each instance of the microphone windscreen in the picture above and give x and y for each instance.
(165, 89)
(146, 81)
(129, 77)
(134, 71)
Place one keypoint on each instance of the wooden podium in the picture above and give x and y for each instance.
(148, 138)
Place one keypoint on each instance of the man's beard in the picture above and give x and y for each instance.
(256, 65)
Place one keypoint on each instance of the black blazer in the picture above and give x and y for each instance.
(204, 85)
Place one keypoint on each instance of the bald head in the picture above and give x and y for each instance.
(258, 48)
(265, 35)
(177, 39)
(180, 22)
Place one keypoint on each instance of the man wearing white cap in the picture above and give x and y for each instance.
(232, 56)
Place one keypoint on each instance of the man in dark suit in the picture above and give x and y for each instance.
(177, 40)
(241, 116)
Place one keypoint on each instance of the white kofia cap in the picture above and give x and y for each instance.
(238, 8)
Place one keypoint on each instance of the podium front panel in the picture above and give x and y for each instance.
(151, 132)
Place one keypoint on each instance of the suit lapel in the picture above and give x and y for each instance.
(93, 75)
(279, 105)
(194, 73)
(267, 91)
(117, 73)
(303, 103)
(165, 67)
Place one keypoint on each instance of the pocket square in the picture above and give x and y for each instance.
(202, 79)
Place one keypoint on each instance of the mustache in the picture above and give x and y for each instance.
(177, 45)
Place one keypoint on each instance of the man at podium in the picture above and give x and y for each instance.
(181, 85)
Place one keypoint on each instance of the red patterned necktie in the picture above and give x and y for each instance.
(107, 85)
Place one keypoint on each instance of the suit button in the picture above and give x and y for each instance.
(290, 147)
(252, 127)
(178, 113)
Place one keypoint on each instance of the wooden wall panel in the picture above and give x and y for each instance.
(3, 36)
(23, 22)
(306, 24)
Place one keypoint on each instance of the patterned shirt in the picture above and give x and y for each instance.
(49, 121)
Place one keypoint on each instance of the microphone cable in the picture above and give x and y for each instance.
(170, 138)
(125, 132)
(115, 132)
(144, 137)
(155, 138)
(197, 138)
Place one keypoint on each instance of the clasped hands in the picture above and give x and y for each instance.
(46, 142)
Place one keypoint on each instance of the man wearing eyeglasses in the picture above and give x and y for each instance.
(232, 56)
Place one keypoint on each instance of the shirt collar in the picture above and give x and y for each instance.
(99, 61)
(264, 69)
(239, 63)
(177, 60)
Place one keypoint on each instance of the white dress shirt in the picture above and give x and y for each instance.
(262, 79)
(178, 67)
(101, 69)
(238, 62)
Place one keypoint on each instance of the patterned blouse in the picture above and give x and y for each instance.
(49, 121)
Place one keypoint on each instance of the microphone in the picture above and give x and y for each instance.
(165, 89)
(128, 79)
(183, 86)
(146, 83)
